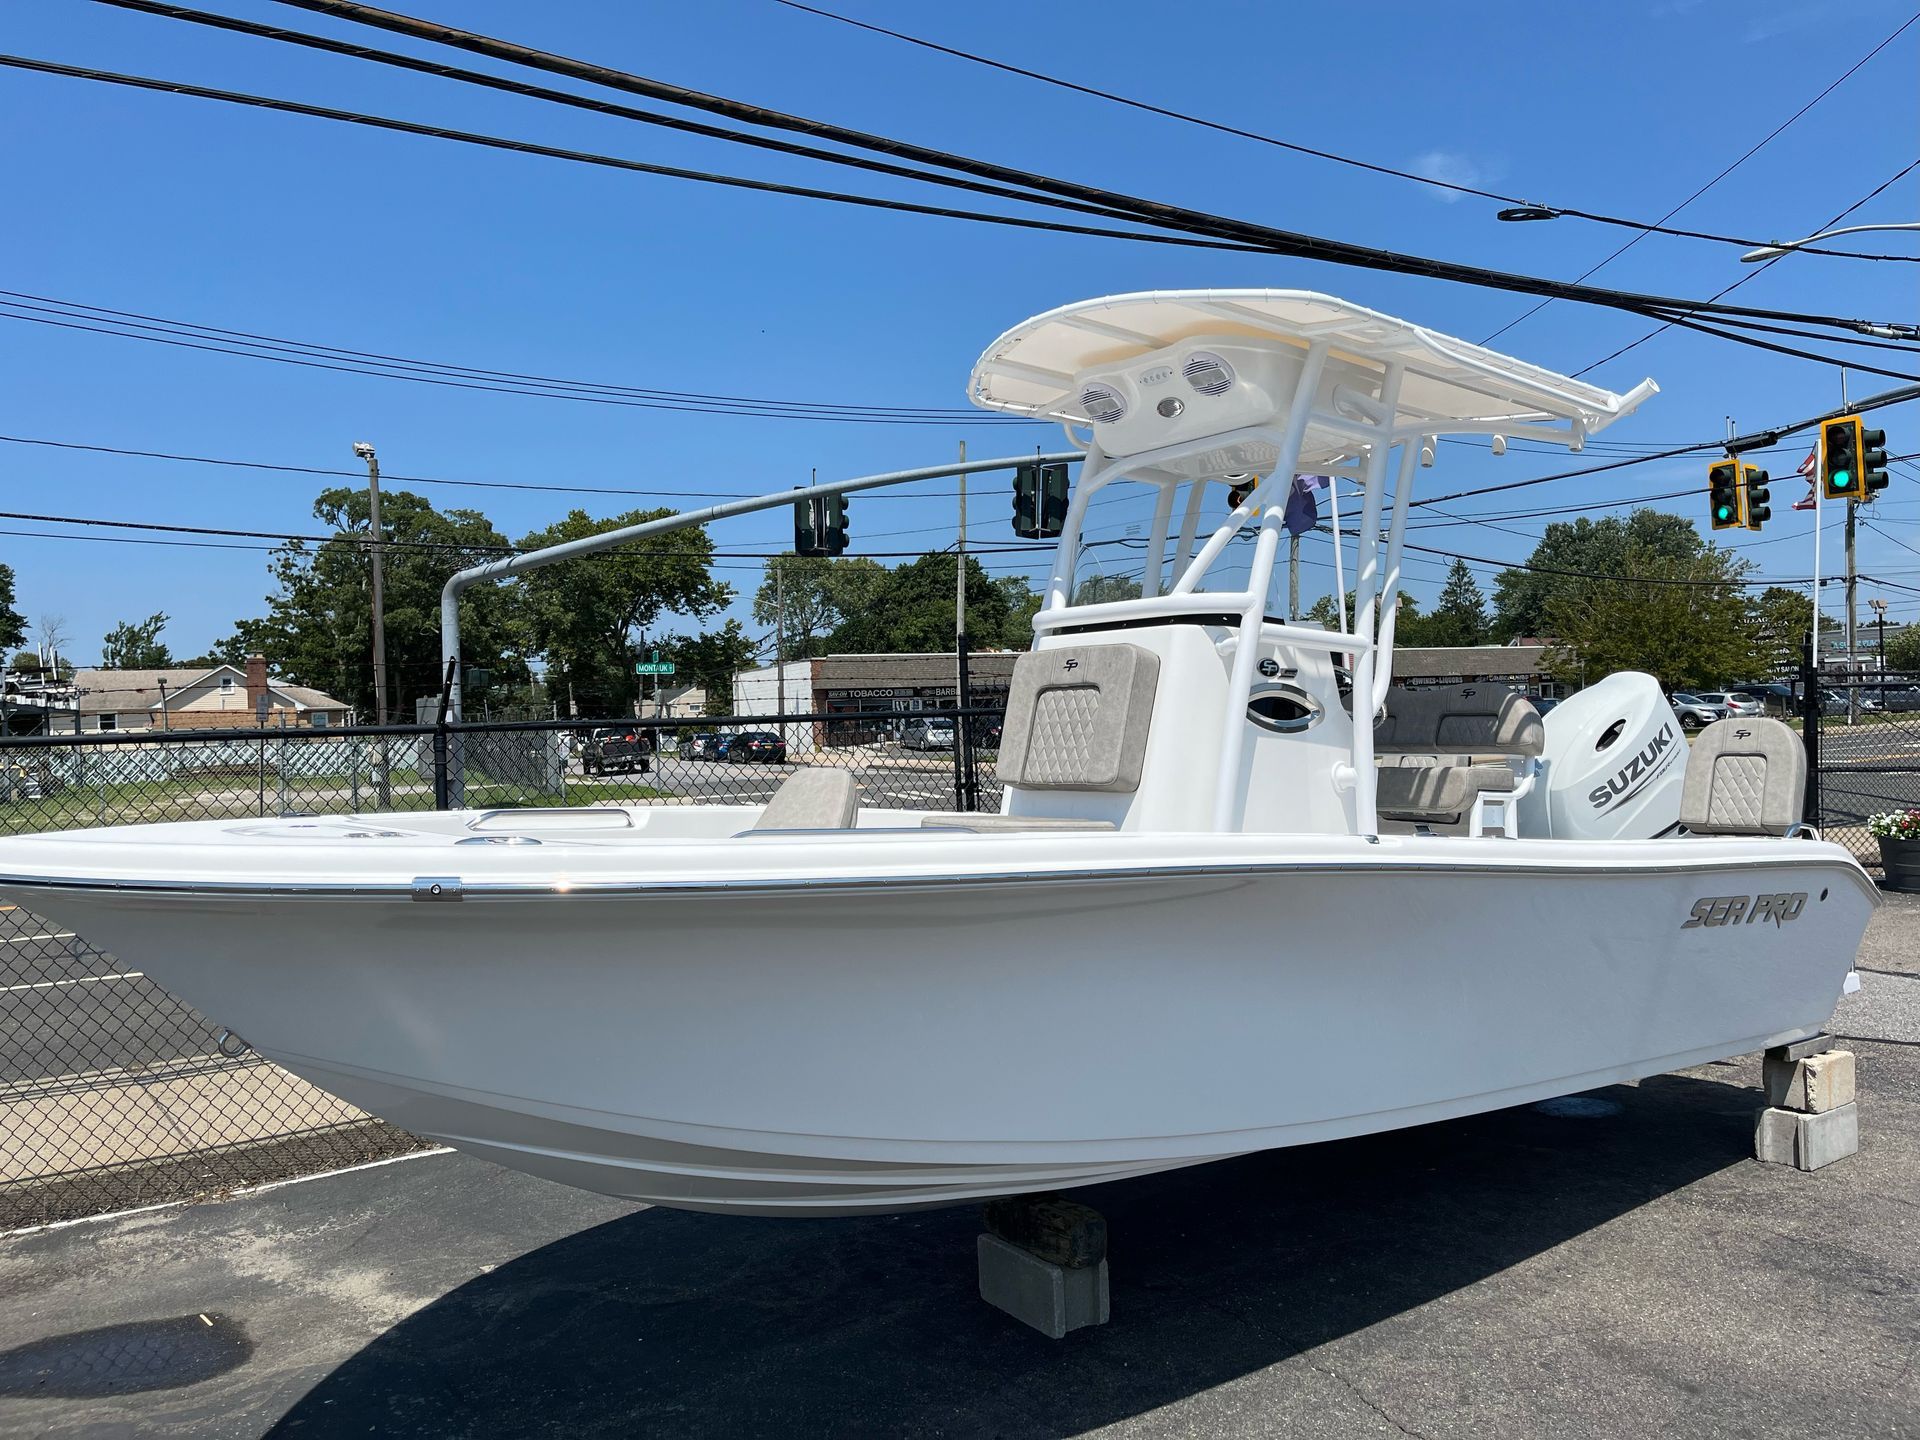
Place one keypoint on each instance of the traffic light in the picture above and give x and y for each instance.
(834, 522)
(1054, 490)
(1840, 459)
(1873, 462)
(1723, 494)
(1040, 494)
(1754, 495)
(820, 525)
(1026, 501)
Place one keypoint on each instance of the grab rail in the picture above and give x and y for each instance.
(603, 817)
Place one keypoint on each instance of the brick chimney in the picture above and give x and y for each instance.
(256, 682)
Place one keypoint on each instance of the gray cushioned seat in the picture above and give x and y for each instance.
(1459, 720)
(1435, 792)
(1744, 777)
(996, 824)
(1077, 718)
(814, 799)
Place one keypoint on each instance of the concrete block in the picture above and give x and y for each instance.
(1773, 1133)
(1805, 1140)
(1816, 1084)
(1053, 1299)
(1829, 1136)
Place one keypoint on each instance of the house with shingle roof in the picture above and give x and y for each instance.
(225, 697)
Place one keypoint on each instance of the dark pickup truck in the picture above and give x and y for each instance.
(625, 752)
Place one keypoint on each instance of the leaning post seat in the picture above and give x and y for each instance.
(814, 799)
(1469, 720)
(1077, 721)
(1744, 777)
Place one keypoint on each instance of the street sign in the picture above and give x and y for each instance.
(653, 667)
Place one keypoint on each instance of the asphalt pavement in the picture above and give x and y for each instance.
(1624, 1271)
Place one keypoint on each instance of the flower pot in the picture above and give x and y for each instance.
(1900, 863)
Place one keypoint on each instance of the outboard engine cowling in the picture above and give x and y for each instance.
(1614, 765)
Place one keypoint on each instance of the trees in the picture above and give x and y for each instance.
(1903, 648)
(811, 595)
(1584, 546)
(1781, 619)
(587, 615)
(912, 610)
(711, 660)
(318, 629)
(1023, 603)
(13, 625)
(1459, 617)
(1685, 620)
(1098, 589)
(136, 645)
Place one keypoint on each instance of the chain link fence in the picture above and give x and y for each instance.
(1865, 751)
(113, 1094)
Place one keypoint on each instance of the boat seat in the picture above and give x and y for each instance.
(1457, 720)
(1077, 718)
(813, 799)
(1744, 777)
(1440, 793)
(998, 824)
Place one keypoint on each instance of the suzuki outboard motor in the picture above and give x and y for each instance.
(1614, 765)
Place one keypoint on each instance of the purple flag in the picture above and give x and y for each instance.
(1303, 510)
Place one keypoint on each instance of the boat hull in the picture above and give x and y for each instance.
(899, 1041)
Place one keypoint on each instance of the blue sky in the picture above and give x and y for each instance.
(296, 227)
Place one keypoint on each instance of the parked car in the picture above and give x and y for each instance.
(1733, 702)
(1774, 698)
(1694, 712)
(1834, 702)
(762, 745)
(617, 751)
(701, 747)
(927, 735)
(1900, 699)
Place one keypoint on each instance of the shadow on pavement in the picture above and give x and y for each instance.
(701, 1324)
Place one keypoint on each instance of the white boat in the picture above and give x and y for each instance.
(1214, 916)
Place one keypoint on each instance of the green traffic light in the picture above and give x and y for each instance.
(1842, 480)
(1725, 512)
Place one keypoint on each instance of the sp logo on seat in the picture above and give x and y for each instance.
(1741, 734)
(1071, 665)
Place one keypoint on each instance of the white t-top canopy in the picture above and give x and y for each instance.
(1036, 367)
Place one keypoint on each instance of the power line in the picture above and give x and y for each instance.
(1745, 156)
(1768, 437)
(1759, 270)
(1658, 227)
(562, 97)
(434, 479)
(1159, 213)
(1281, 243)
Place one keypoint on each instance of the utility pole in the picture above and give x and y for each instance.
(365, 452)
(1853, 682)
(779, 645)
(1853, 661)
(1880, 619)
(962, 746)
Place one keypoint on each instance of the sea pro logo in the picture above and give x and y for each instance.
(1712, 910)
(1639, 772)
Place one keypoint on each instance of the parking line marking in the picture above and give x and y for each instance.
(77, 980)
